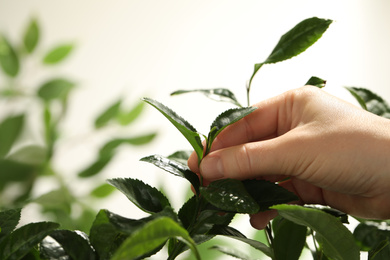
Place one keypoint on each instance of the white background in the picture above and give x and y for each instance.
(130, 49)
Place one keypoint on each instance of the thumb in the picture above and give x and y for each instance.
(273, 157)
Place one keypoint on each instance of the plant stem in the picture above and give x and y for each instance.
(270, 238)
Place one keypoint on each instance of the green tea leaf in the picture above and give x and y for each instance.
(142, 195)
(175, 168)
(9, 60)
(59, 199)
(31, 36)
(180, 156)
(217, 94)
(298, 39)
(11, 171)
(230, 195)
(55, 89)
(370, 101)
(336, 240)
(57, 54)
(369, 234)
(126, 118)
(23, 239)
(31, 154)
(151, 236)
(10, 129)
(108, 114)
(51, 249)
(227, 250)
(316, 81)
(75, 244)
(109, 230)
(102, 190)
(9, 219)
(267, 194)
(380, 252)
(110, 146)
(188, 131)
(96, 166)
(289, 239)
(225, 119)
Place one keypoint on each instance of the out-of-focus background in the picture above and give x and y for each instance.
(127, 49)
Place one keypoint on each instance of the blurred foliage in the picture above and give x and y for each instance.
(22, 166)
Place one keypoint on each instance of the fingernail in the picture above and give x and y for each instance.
(211, 168)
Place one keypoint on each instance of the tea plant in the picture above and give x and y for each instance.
(209, 212)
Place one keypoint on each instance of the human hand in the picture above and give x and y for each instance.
(335, 154)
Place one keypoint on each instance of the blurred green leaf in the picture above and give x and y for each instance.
(151, 236)
(370, 234)
(102, 190)
(126, 118)
(57, 54)
(187, 130)
(225, 119)
(230, 195)
(31, 154)
(110, 146)
(9, 59)
(96, 166)
(55, 89)
(316, 81)
(108, 114)
(10, 128)
(11, 171)
(217, 94)
(59, 199)
(75, 244)
(23, 239)
(9, 219)
(381, 252)
(335, 239)
(31, 36)
(145, 197)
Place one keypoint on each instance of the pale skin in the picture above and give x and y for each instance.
(333, 152)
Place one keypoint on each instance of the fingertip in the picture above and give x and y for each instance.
(260, 220)
(192, 162)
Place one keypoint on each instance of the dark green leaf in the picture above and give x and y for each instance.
(225, 119)
(75, 244)
(110, 146)
(142, 195)
(151, 236)
(230, 195)
(126, 118)
(10, 129)
(228, 250)
(9, 59)
(267, 194)
(316, 81)
(371, 101)
(188, 131)
(110, 230)
(298, 39)
(175, 168)
(289, 239)
(23, 239)
(55, 89)
(31, 36)
(102, 191)
(336, 240)
(9, 219)
(57, 54)
(96, 166)
(108, 114)
(235, 234)
(381, 252)
(217, 94)
(370, 234)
